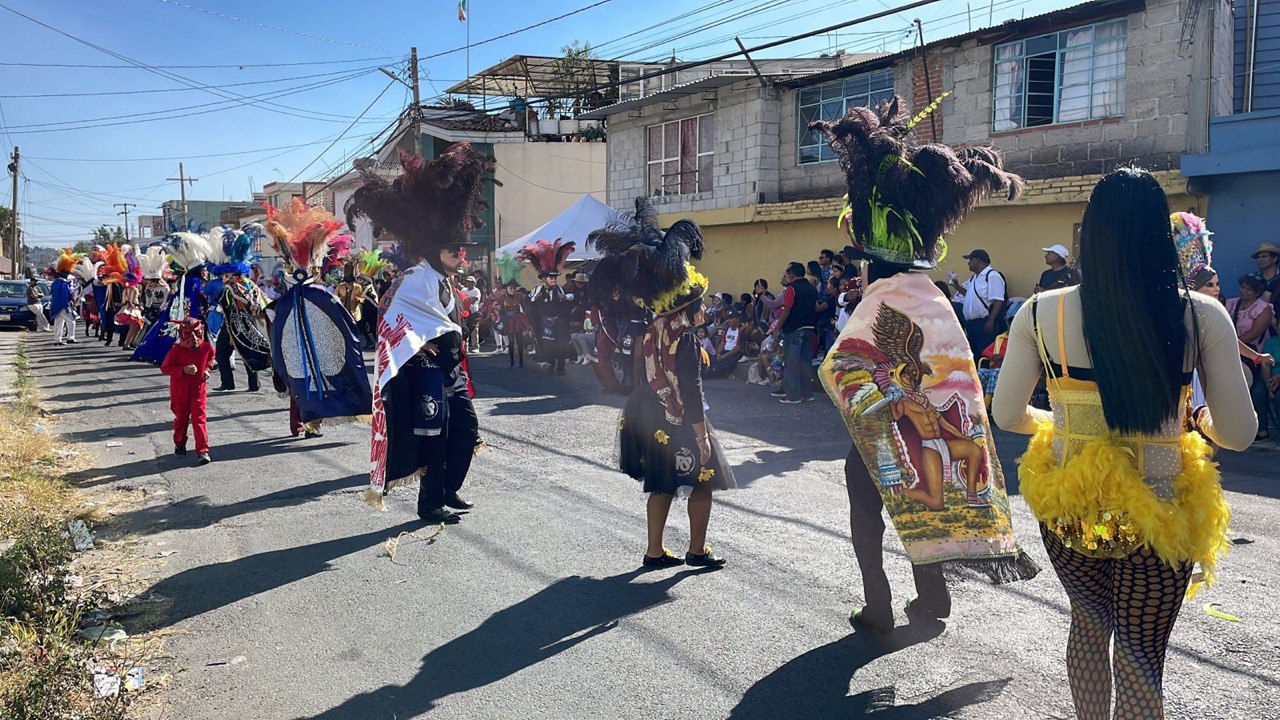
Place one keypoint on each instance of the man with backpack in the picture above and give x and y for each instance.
(985, 296)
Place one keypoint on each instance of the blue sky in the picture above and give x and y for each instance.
(324, 56)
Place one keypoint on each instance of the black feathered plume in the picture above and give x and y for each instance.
(640, 260)
(431, 205)
(928, 189)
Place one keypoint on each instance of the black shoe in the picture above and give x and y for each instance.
(457, 503)
(779, 393)
(870, 621)
(667, 559)
(312, 434)
(179, 449)
(221, 388)
(707, 559)
(204, 459)
(917, 608)
(437, 516)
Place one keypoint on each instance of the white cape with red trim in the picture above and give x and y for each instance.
(412, 316)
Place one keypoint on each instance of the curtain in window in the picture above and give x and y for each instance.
(1008, 95)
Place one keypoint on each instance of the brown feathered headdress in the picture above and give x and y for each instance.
(547, 258)
(302, 234)
(431, 205)
(904, 196)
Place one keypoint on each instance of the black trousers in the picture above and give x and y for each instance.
(222, 350)
(446, 458)
(109, 328)
(866, 525)
(979, 338)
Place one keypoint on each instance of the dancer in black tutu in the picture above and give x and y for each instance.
(666, 441)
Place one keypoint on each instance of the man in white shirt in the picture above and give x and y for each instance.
(985, 296)
(473, 317)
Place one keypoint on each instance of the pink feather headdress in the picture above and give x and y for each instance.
(547, 258)
(302, 234)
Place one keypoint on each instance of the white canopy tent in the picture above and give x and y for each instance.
(572, 225)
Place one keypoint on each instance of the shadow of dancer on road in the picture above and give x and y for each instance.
(816, 684)
(565, 613)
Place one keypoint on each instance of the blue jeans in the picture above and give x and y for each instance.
(798, 364)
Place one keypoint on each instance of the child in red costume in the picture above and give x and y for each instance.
(188, 365)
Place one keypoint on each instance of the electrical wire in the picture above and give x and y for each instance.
(188, 89)
(237, 66)
(495, 38)
(344, 132)
(178, 157)
(271, 28)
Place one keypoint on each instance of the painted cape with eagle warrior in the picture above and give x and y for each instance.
(901, 373)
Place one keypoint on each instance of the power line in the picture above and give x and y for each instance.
(495, 38)
(183, 157)
(272, 28)
(188, 89)
(344, 132)
(238, 66)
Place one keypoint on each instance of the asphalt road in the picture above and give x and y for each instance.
(287, 606)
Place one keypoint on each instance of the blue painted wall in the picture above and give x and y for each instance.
(1266, 80)
(1244, 210)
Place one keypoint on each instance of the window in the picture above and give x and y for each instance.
(830, 101)
(680, 158)
(1062, 77)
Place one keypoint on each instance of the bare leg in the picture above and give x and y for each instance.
(658, 508)
(699, 518)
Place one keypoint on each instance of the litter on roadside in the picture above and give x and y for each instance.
(81, 538)
(103, 634)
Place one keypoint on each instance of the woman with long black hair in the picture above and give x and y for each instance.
(1126, 494)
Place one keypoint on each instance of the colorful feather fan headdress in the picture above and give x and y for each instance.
(547, 258)
(1194, 242)
(642, 262)
(187, 250)
(371, 263)
(237, 253)
(301, 234)
(67, 261)
(85, 270)
(431, 205)
(114, 264)
(903, 197)
(152, 261)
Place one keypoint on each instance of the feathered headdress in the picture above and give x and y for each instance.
(67, 261)
(187, 250)
(903, 196)
(371, 263)
(151, 262)
(237, 253)
(85, 270)
(1194, 242)
(114, 265)
(547, 258)
(508, 268)
(301, 234)
(133, 272)
(431, 205)
(647, 264)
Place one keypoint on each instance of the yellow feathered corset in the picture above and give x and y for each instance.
(1107, 494)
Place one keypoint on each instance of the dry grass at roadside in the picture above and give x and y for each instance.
(48, 592)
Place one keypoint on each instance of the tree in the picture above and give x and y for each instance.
(103, 235)
(5, 218)
(573, 77)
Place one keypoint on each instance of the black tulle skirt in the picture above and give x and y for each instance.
(663, 456)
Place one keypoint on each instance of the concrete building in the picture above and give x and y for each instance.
(1067, 96)
(1240, 168)
(201, 212)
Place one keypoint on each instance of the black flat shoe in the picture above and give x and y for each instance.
(867, 621)
(179, 449)
(706, 559)
(666, 560)
(223, 389)
(919, 609)
(457, 503)
(437, 516)
(309, 434)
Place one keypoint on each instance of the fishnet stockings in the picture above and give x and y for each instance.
(1136, 599)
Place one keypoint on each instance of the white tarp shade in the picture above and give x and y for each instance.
(574, 224)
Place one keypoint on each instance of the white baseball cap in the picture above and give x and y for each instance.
(1061, 251)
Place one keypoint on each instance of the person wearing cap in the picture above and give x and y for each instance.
(1059, 274)
(984, 297)
(472, 292)
(1267, 256)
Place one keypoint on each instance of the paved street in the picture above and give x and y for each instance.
(287, 605)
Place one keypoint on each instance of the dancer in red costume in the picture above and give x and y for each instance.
(188, 365)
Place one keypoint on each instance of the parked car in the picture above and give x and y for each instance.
(13, 304)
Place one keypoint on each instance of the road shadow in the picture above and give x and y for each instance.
(816, 684)
(246, 450)
(771, 463)
(567, 612)
(196, 512)
(543, 405)
(144, 429)
(209, 587)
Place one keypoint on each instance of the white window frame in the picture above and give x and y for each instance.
(705, 149)
(1089, 76)
(829, 102)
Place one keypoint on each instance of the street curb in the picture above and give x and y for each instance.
(9, 365)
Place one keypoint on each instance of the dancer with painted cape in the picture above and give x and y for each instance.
(901, 373)
(424, 425)
(188, 252)
(315, 346)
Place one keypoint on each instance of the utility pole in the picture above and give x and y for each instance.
(125, 213)
(15, 261)
(182, 181)
(415, 112)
